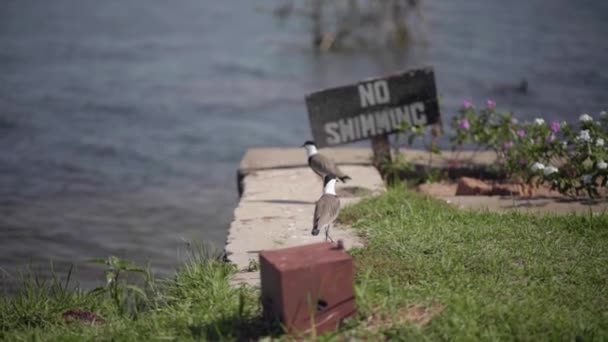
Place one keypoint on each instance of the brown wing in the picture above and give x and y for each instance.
(326, 211)
(324, 165)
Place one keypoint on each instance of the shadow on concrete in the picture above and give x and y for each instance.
(584, 201)
(535, 201)
(283, 201)
(527, 204)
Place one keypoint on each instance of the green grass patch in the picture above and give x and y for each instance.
(196, 304)
(428, 272)
(498, 276)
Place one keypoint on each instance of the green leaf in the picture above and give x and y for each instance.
(113, 260)
(137, 290)
(97, 291)
(98, 261)
(124, 264)
(110, 276)
(138, 270)
(435, 149)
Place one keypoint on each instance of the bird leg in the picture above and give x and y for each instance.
(327, 237)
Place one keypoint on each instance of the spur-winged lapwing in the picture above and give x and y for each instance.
(321, 164)
(327, 207)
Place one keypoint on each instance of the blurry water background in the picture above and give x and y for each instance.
(122, 122)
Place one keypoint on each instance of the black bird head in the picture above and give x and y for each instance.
(309, 142)
(327, 178)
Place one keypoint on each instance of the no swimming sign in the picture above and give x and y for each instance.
(373, 107)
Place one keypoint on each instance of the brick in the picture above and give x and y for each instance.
(472, 187)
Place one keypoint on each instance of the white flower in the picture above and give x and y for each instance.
(587, 179)
(602, 165)
(565, 144)
(584, 136)
(537, 167)
(539, 121)
(603, 114)
(599, 142)
(585, 118)
(549, 170)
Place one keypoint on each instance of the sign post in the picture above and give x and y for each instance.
(381, 148)
(372, 109)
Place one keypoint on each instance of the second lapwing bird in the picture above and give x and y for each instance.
(327, 208)
(321, 164)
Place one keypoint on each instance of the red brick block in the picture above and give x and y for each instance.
(471, 187)
(507, 190)
(308, 287)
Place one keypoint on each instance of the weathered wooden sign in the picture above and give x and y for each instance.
(373, 107)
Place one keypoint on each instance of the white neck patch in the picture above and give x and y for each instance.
(311, 150)
(330, 187)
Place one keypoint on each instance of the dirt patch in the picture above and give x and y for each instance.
(501, 197)
(76, 315)
(466, 186)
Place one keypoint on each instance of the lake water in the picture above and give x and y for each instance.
(122, 122)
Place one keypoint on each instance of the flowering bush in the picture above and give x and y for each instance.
(570, 158)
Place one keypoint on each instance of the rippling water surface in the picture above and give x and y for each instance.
(122, 122)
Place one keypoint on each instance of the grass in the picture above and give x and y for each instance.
(196, 304)
(428, 272)
(499, 276)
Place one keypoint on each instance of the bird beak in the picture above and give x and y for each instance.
(303, 145)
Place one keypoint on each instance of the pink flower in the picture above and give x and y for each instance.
(490, 104)
(464, 124)
(555, 126)
(508, 144)
(521, 133)
(467, 104)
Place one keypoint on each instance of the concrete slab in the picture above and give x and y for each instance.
(276, 210)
